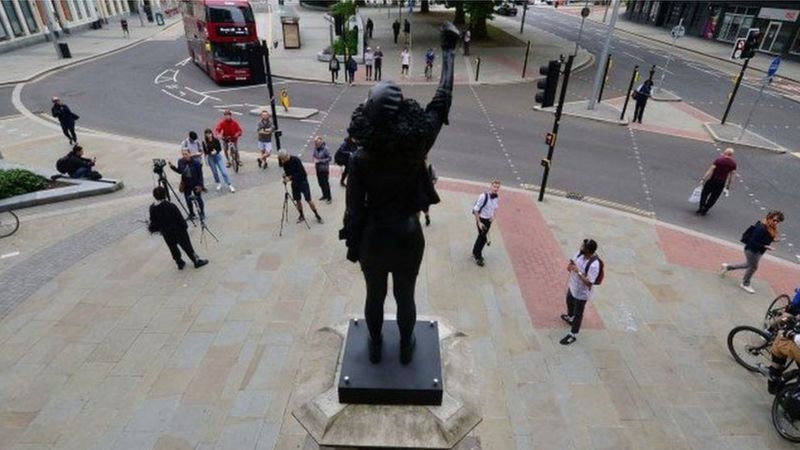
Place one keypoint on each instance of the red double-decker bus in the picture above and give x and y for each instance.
(222, 40)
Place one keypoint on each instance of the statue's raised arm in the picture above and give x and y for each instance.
(439, 107)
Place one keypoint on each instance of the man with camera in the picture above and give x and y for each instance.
(166, 218)
(294, 172)
(191, 171)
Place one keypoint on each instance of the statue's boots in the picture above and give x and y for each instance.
(375, 350)
(407, 350)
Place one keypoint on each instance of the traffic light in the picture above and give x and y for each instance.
(547, 87)
(751, 43)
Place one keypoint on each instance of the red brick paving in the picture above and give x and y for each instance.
(537, 259)
(691, 251)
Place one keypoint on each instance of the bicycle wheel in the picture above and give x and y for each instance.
(776, 308)
(783, 421)
(749, 346)
(9, 223)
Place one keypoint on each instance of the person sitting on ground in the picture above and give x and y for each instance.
(79, 167)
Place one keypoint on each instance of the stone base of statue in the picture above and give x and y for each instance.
(332, 424)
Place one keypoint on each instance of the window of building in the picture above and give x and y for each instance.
(86, 7)
(735, 25)
(27, 12)
(3, 32)
(78, 10)
(66, 10)
(795, 48)
(13, 19)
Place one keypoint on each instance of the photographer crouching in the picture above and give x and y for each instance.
(166, 218)
(191, 170)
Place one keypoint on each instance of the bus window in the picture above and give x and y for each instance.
(230, 14)
(232, 54)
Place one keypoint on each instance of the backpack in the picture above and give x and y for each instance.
(342, 156)
(62, 165)
(748, 233)
(600, 274)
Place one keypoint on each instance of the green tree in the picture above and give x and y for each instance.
(479, 12)
(344, 10)
(460, 18)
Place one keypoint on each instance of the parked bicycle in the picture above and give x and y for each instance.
(9, 223)
(750, 345)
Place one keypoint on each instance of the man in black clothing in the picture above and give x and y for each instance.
(191, 170)
(66, 118)
(396, 29)
(294, 172)
(370, 27)
(165, 218)
(79, 167)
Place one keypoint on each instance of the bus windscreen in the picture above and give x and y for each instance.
(230, 14)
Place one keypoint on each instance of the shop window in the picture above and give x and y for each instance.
(3, 32)
(13, 19)
(27, 12)
(795, 48)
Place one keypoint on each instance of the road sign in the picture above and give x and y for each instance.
(773, 67)
(738, 48)
(678, 31)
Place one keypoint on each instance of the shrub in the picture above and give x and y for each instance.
(352, 44)
(18, 181)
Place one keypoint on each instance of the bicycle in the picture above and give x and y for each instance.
(233, 151)
(750, 346)
(786, 412)
(428, 71)
(9, 223)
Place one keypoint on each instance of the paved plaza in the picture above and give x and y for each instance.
(111, 347)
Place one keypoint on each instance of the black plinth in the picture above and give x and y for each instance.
(390, 382)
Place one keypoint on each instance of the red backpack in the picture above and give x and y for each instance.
(601, 274)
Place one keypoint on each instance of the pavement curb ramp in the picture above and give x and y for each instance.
(567, 113)
(78, 188)
(770, 146)
(578, 197)
(75, 62)
(665, 96)
(294, 112)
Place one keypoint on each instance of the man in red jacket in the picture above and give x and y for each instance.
(229, 131)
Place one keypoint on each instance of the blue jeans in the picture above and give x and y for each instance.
(81, 172)
(215, 162)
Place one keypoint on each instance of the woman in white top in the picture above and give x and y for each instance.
(405, 61)
(369, 62)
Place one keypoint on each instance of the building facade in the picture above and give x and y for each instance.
(25, 22)
(779, 21)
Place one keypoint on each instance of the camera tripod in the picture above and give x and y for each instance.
(285, 211)
(203, 228)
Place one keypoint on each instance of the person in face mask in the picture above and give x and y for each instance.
(484, 211)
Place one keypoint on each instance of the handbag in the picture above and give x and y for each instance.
(695, 197)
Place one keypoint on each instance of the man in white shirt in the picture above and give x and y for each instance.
(484, 210)
(583, 268)
(193, 146)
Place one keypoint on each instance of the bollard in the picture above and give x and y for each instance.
(652, 72)
(477, 68)
(525, 64)
(634, 77)
(605, 79)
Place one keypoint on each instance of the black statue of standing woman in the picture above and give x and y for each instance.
(388, 187)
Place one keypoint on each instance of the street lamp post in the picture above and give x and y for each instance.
(51, 28)
(598, 77)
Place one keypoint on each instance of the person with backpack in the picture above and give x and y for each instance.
(333, 66)
(756, 239)
(342, 158)
(77, 166)
(585, 271)
(484, 211)
(641, 95)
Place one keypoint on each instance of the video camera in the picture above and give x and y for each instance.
(158, 165)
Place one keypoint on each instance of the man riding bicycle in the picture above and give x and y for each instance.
(786, 344)
(429, 57)
(229, 131)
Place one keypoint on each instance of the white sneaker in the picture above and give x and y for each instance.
(747, 288)
(219, 186)
(724, 269)
(230, 186)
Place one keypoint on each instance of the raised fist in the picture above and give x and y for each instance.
(450, 36)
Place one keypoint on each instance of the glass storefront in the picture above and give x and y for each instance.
(735, 23)
(27, 12)
(3, 32)
(13, 19)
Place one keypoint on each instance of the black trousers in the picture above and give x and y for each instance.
(189, 195)
(378, 72)
(180, 239)
(575, 310)
(480, 241)
(324, 184)
(334, 75)
(396, 33)
(711, 192)
(69, 132)
(403, 287)
(638, 111)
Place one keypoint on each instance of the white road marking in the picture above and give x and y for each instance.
(183, 63)
(310, 121)
(9, 255)
(200, 93)
(179, 98)
(633, 56)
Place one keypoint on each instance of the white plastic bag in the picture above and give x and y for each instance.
(695, 197)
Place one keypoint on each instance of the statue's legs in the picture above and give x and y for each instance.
(376, 294)
(403, 284)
